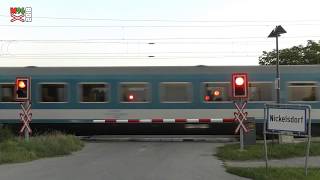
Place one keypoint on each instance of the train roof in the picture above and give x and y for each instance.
(5, 71)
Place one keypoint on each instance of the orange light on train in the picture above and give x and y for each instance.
(131, 97)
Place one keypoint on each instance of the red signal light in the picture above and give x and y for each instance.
(21, 84)
(23, 88)
(216, 93)
(239, 81)
(207, 98)
(239, 85)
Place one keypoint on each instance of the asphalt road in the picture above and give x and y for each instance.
(126, 161)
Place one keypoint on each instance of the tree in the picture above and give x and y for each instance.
(310, 54)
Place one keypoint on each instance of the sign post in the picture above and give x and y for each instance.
(240, 117)
(287, 119)
(23, 88)
(239, 84)
(26, 117)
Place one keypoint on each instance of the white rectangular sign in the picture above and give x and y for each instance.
(287, 119)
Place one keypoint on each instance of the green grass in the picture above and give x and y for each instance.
(275, 151)
(283, 173)
(15, 150)
(5, 134)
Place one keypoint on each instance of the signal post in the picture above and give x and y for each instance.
(239, 84)
(23, 95)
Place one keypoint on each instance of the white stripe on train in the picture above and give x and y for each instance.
(201, 120)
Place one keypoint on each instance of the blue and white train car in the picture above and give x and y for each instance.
(80, 96)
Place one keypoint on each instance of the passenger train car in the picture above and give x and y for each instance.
(76, 97)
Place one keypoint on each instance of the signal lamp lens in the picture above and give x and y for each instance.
(21, 84)
(216, 93)
(207, 98)
(131, 97)
(239, 81)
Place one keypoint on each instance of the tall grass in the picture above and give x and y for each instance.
(49, 145)
(275, 151)
(5, 134)
(276, 173)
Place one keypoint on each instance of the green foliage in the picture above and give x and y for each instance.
(275, 151)
(284, 173)
(5, 134)
(55, 144)
(310, 54)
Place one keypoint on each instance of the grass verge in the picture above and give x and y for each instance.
(15, 150)
(283, 173)
(275, 151)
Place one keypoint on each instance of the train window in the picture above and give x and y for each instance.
(302, 91)
(134, 92)
(214, 92)
(53, 92)
(7, 93)
(94, 92)
(260, 91)
(175, 92)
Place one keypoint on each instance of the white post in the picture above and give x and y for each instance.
(26, 132)
(241, 139)
(25, 117)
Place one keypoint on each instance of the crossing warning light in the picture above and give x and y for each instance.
(239, 85)
(22, 88)
(216, 93)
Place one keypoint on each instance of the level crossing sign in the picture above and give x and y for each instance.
(25, 117)
(241, 116)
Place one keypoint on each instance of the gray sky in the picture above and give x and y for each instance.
(149, 32)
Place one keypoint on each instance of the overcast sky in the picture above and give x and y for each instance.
(152, 32)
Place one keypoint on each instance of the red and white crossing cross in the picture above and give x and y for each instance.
(241, 116)
(25, 117)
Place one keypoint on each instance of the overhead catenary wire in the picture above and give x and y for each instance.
(160, 38)
(155, 24)
(128, 57)
(125, 53)
(169, 20)
(137, 42)
(148, 26)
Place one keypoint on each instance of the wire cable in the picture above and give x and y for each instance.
(170, 20)
(149, 26)
(166, 38)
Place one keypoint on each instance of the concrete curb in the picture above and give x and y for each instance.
(291, 162)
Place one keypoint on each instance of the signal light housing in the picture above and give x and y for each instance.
(239, 85)
(22, 88)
